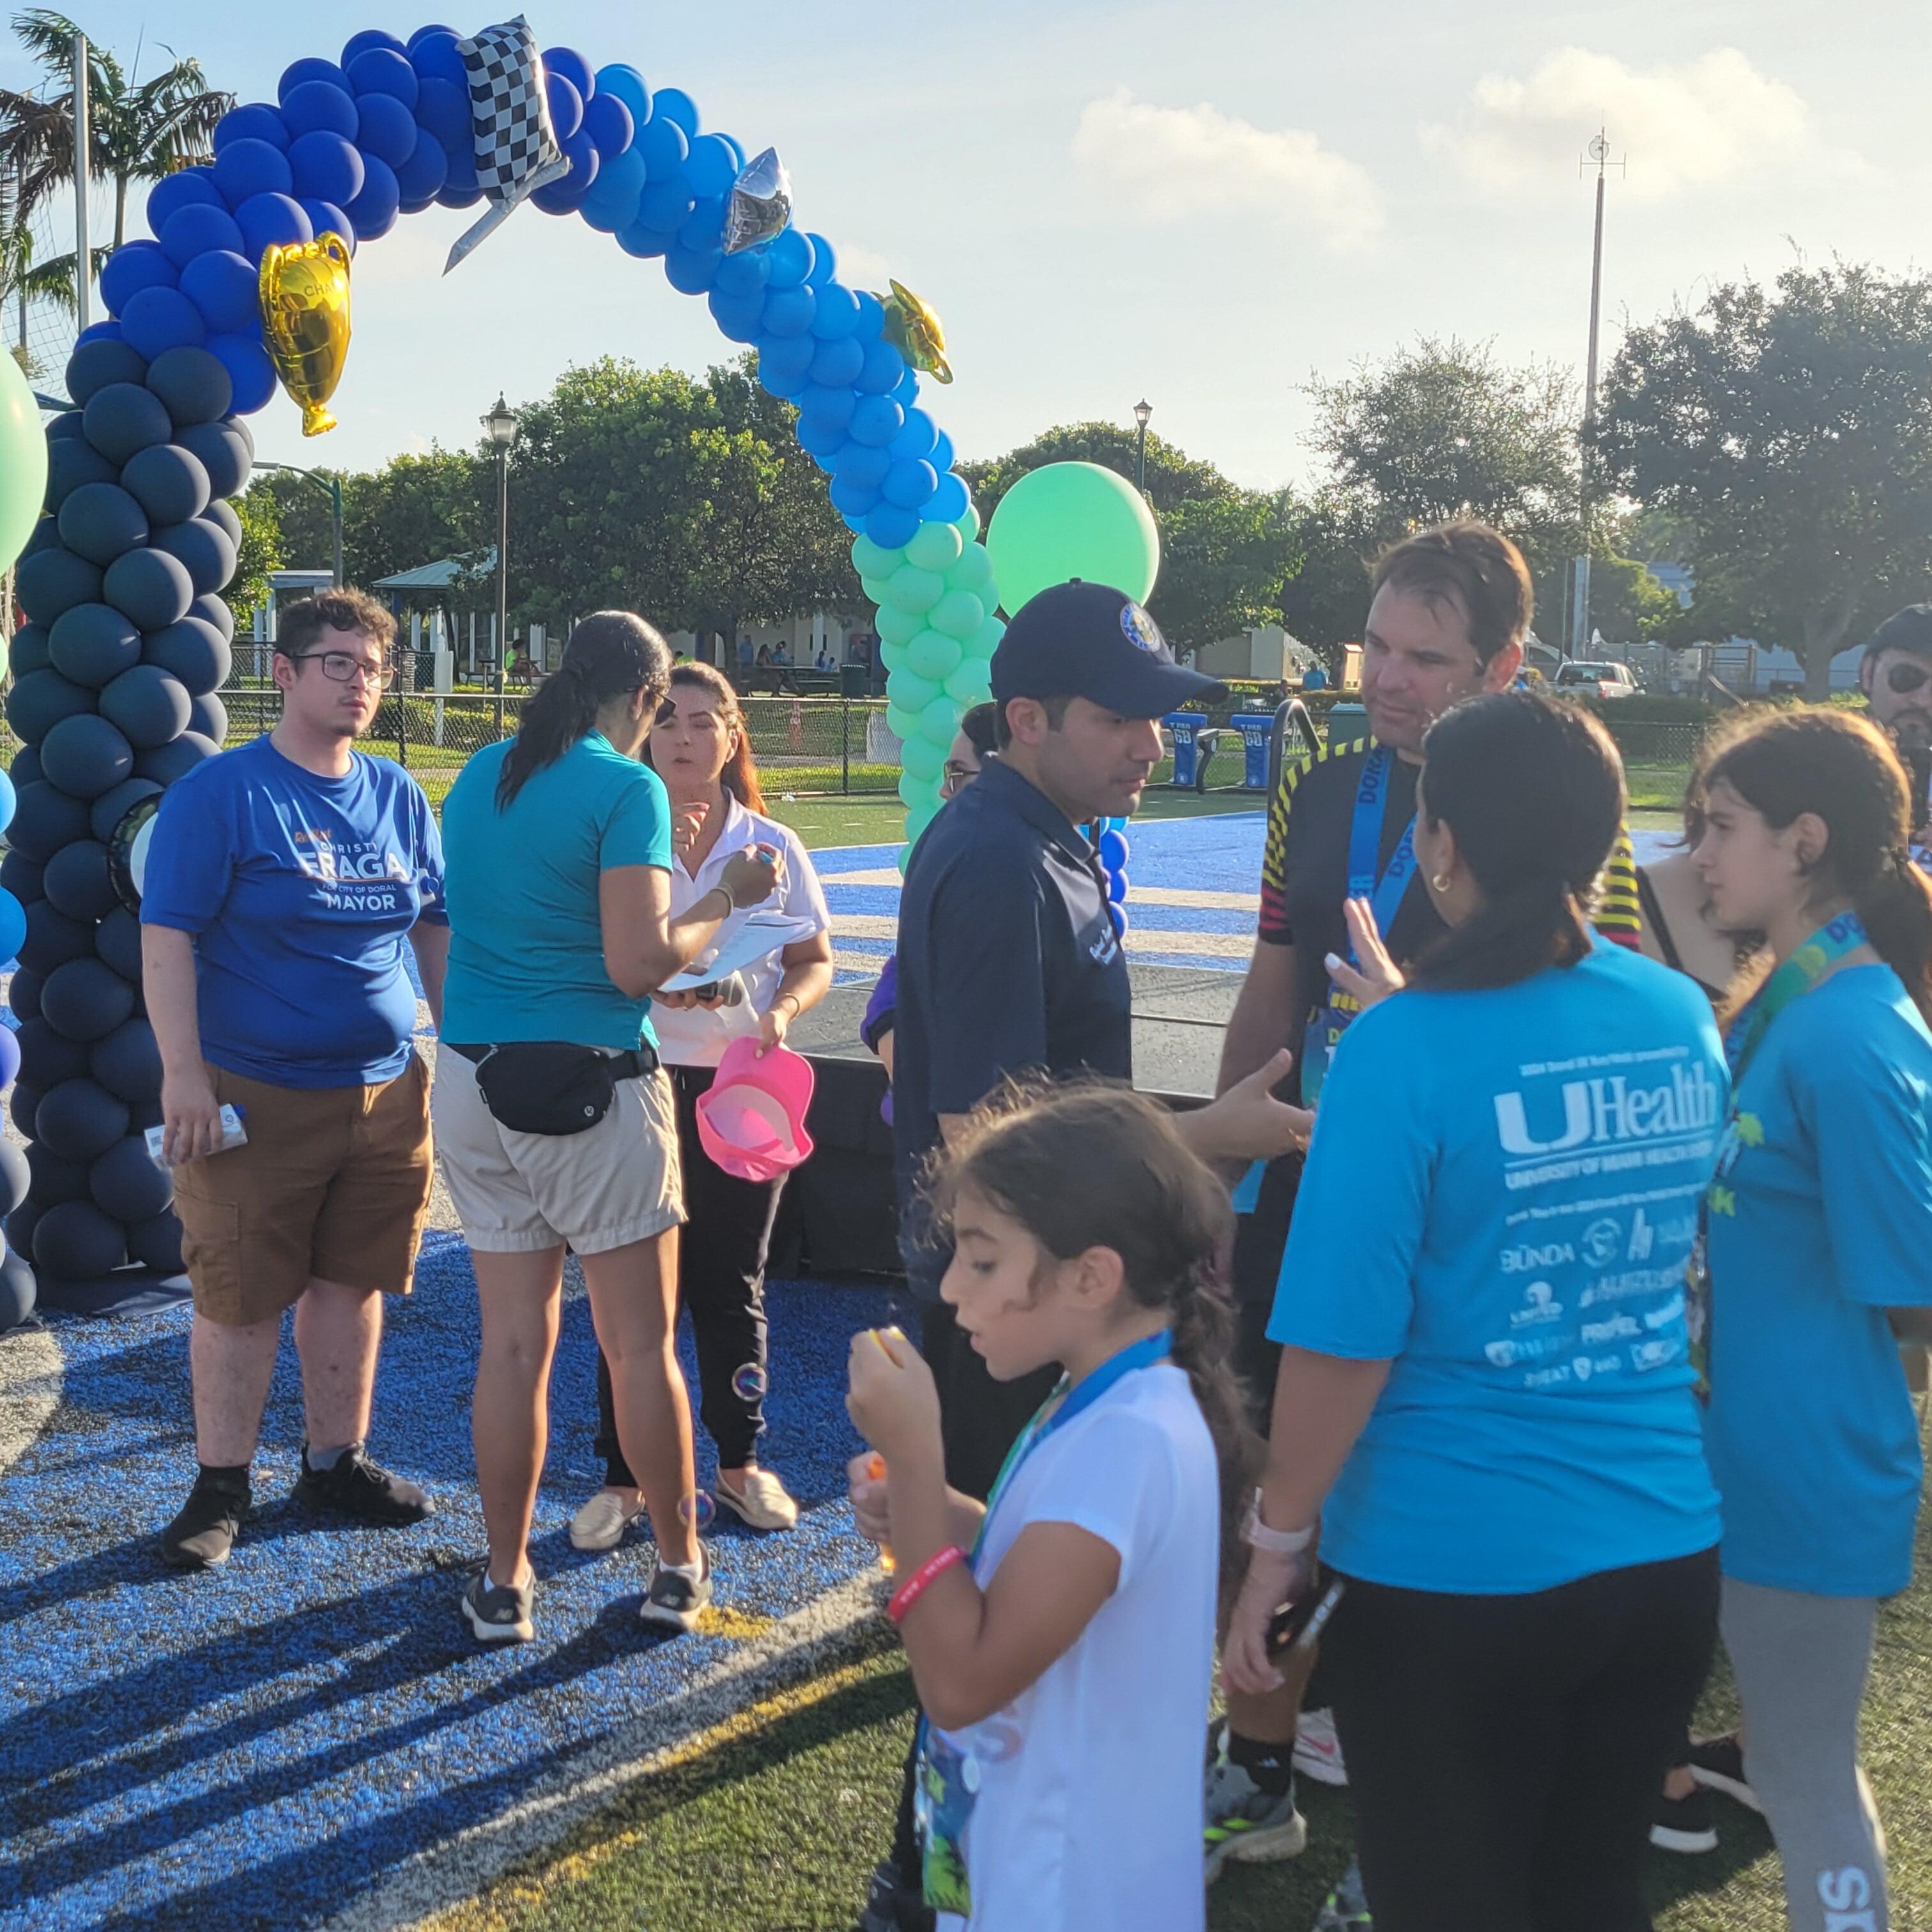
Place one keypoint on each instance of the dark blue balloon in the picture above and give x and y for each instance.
(149, 587)
(776, 378)
(160, 318)
(419, 178)
(124, 417)
(92, 644)
(674, 104)
(738, 317)
(374, 211)
(877, 420)
(176, 759)
(837, 364)
(790, 257)
(711, 166)
(53, 580)
(883, 369)
(203, 549)
(432, 49)
(101, 521)
(71, 462)
(824, 262)
(168, 482)
(180, 190)
(301, 73)
(888, 525)
(255, 122)
(566, 107)
(817, 438)
(270, 221)
(226, 453)
(211, 610)
(132, 267)
(662, 204)
(949, 502)
(744, 273)
(222, 514)
(837, 314)
(661, 143)
(618, 78)
(389, 129)
(245, 168)
(443, 108)
(908, 483)
(384, 71)
(126, 1184)
(128, 1062)
(789, 311)
(826, 408)
(325, 218)
(224, 288)
(109, 330)
(566, 195)
(864, 464)
(567, 64)
(370, 37)
(851, 499)
(792, 354)
(193, 651)
(251, 373)
(194, 385)
(93, 365)
(327, 168)
(84, 756)
(192, 231)
(689, 270)
(318, 107)
(452, 195)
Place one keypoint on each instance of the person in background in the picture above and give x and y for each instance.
(1895, 674)
(699, 747)
(972, 746)
(282, 881)
(1315, 679)
(1064, 1667)
(1485, 1396)
(824, 660)
(560, 844)
(1820, 1224)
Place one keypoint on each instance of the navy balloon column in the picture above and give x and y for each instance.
(127, 640)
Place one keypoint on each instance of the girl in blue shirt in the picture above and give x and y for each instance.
(1819, 1259)
(1485, 1395)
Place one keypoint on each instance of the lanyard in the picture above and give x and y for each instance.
(1065, 1403)
(1365, 832)
(1798, 975)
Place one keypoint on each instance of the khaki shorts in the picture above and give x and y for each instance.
(333, 1184)
(616, 1182)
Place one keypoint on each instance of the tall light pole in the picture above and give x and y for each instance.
(333, 485)
(1142, 410)
(83, 157)
(1579, 618)
(501, 422)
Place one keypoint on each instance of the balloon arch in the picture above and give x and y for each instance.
(128, 638)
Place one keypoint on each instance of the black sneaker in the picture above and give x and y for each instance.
(674, 1599)
(204, 1532)
(1718, 1765)
(892, 1906)
(362, 1490)
(500, 1612)
(1684, 1824)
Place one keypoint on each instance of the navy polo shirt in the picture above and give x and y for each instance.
(1008, 959)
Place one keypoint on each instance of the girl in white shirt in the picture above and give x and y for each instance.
(1063, 1666)
(699, 747)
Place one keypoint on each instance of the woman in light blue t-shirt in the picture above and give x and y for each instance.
(557, 848)
(1485, 1395)
(1820, 1261)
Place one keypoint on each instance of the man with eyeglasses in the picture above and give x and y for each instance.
(1895, 675)
(281, 882)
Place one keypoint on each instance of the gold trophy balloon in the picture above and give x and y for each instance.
(304, 295)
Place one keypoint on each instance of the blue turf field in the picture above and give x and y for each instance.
(254, 1748)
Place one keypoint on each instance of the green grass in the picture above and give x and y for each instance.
(776, 1829)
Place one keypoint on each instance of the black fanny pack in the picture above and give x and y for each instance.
(549, 1086)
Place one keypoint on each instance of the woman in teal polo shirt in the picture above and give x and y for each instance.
(1820, 1258)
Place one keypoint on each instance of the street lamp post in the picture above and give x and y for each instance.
(333, 485)
(501, 422)
(1142, 410)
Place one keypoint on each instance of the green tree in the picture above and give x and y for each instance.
(1790, 431)
(1324, 603)
(261, 552)
(415, 510)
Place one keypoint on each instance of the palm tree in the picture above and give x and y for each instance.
(138, 131)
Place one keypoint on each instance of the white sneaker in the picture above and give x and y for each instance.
(601, 1523)
(762, 1503)
(1318, 1751)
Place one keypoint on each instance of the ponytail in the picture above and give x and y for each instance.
(610, 654)
(1524, 928)
(1896, 909)
(1138, 1189)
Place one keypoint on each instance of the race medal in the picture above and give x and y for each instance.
(1326, 1025)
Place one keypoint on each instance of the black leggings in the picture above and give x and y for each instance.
(721, 1280)
(1505, 1753)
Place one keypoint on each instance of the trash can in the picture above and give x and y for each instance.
(853, 679)
(1348, 727)
(1257, 728)
(1185, 726)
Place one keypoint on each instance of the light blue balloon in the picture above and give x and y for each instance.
(7, 801)
(13, 925)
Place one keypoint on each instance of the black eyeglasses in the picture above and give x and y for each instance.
(1904, 678)
(343, 668)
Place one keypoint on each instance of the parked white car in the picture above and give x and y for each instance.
(1604, 680)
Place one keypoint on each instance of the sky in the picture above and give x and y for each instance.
(1207, 204)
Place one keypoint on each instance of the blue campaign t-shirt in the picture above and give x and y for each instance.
(1827, 1173)
(1500, 1199)
(526, 940)
(299, 891)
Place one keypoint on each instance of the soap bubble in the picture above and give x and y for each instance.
(749, 1383)
(696, 1511)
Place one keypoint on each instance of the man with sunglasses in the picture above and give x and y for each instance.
(281, 881)
(1896, 677)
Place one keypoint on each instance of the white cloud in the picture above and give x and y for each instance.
(1175, 163)
(1710, 120)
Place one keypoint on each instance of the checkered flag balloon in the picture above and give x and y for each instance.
(517, 149)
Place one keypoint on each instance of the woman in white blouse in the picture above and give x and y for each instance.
(700, 749)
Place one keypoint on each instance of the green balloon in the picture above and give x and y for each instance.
(968, 525)
(933, 655)
(922, 759)
(23, 460)
(959, 613)
(902, 724)
(871, 559)
(985, 640)
(912, 589)
(940, 721)
(909, 692)
(974, 572)
(879, 589)
(1073, 519)
(935, 547)
(898, 627)
(891, 655)
(971, 682)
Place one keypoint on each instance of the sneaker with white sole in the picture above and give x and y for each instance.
(601, 1523)
(1718, 1765)
(1243, 1821)
(762, 1504)
(677, 1598)
(1684, 1825)
(1346, 1907)
(500, 1612)
(1318, 1750)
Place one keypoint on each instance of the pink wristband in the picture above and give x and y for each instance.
(909, 1592)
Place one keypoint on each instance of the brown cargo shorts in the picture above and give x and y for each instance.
(333, 1184)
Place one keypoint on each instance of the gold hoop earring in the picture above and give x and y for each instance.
(1440, 882)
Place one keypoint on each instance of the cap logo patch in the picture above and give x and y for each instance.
(1140, 630)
